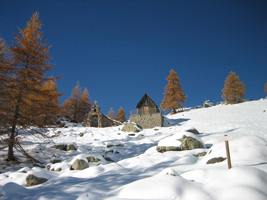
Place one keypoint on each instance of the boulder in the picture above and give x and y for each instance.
(179, 142)
(70, 147)
(61, 147)
(200, 154)
(189, 143)
(32, 180)
(54, 161)
(93, 159)
(64, 147)
(192, 130)
(79, 165)
(48, 167)
(216, 160)
(81, 134)
(130, 127)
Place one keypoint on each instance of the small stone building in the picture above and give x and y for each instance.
(147, 113)
(96, 119)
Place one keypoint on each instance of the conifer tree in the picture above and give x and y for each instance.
(265, 89)
(30, 63)
(121, 116)
(50, 102)
(174, 96)
(234, 90)
(74, 101)
(5, 70)
(84, 105)
(111, 114)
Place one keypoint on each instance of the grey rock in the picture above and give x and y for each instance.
(200, 154)
(79, 165)
(32, 180)
(216, 160)
(130, 127)
(188, 143)
(71, 147)
(61, 147)
(93, 159)
(53, 161)
(192, 130)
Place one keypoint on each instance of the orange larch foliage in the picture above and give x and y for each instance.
(121, 116)
(84, 105)
(111, 114)
(5, 70)
(265, 89)
(30, 63)
(77, 105)
(234, 90)
(174, 96)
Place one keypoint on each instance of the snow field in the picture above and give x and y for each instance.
(140, 172)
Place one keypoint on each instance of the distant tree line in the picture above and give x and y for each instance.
(78, 105)
(174, 97)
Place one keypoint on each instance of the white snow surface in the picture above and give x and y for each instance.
(139, 171)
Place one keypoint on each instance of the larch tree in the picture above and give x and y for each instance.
(5, 67)
(174, 96)
(111, 114)
(84, 105)
(265, 89)
(30, 63)
(121, 116)
(234, 90)
(73, 101)
(51, 103)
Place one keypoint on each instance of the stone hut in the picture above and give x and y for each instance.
(97, 119)
(147, 113)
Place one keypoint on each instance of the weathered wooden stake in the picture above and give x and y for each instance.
(228, 154)
(226, 138)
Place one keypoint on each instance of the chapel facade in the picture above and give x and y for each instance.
(97, 119)
(147, 114)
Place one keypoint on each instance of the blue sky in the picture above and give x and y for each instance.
(122, 49)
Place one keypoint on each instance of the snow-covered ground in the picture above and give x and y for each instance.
(140, 172)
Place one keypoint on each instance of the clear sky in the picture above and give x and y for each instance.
(122, 49)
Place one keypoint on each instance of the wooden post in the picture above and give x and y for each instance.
(226, 139)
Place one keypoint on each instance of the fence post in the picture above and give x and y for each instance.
(226, 139)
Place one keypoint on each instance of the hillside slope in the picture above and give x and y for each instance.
(129, 166)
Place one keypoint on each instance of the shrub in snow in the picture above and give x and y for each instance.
(32, 180)
(79, 165)
(179, 142)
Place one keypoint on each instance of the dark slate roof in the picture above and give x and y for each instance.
(148, 100)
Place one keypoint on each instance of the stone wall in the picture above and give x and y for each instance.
(148, 120)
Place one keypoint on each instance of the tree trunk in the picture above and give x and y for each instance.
(10, 156)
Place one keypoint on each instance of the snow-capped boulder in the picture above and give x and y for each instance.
(79, 164)
(65, 147)
(32, 180)
(131, 127)
(70, 147)
(179, 142)
(165, 185)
